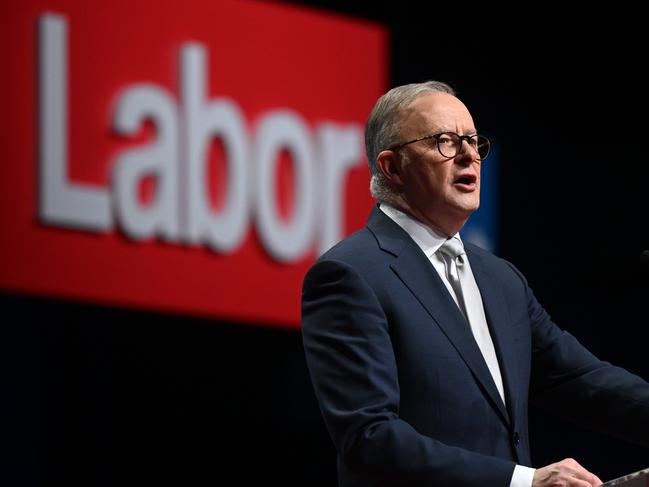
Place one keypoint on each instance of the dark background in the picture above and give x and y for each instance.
(103, 396)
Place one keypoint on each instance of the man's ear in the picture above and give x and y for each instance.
(389, 162)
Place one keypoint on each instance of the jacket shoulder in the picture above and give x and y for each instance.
(358, 247)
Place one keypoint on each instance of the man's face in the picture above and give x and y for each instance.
(440, 191)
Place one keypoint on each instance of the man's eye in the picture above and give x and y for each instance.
(446, 140)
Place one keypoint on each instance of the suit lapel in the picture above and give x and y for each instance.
(499, 325)
(416, 272)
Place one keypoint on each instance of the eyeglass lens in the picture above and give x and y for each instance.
(450, 144)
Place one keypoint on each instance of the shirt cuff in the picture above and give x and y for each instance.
(522, 476)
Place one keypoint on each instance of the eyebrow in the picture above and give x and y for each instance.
(471, 133)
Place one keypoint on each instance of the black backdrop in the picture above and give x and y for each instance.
(102, 396)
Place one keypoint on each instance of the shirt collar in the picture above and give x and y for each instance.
(428, 239)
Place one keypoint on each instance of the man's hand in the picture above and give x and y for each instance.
(566, 473)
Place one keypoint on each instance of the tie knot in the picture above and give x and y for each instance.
(453, 248)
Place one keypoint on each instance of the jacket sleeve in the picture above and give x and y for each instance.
(353, 368)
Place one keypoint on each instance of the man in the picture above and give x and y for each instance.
(425, 352)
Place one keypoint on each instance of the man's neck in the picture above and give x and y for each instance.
(448, 227)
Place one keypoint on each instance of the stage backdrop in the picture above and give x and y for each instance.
(184, 156)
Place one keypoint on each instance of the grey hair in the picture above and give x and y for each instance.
(383, 127)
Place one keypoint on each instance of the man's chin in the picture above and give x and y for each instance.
(466, 208)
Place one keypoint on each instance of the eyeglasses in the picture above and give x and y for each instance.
(449, 144)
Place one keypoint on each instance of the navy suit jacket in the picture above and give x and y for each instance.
(402, 385)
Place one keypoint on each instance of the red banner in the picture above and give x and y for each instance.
(184, 156)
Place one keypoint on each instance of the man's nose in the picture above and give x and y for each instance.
(467, 152)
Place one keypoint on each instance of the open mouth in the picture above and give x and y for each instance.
(468, 180)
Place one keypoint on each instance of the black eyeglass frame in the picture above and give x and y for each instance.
(438, 135)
